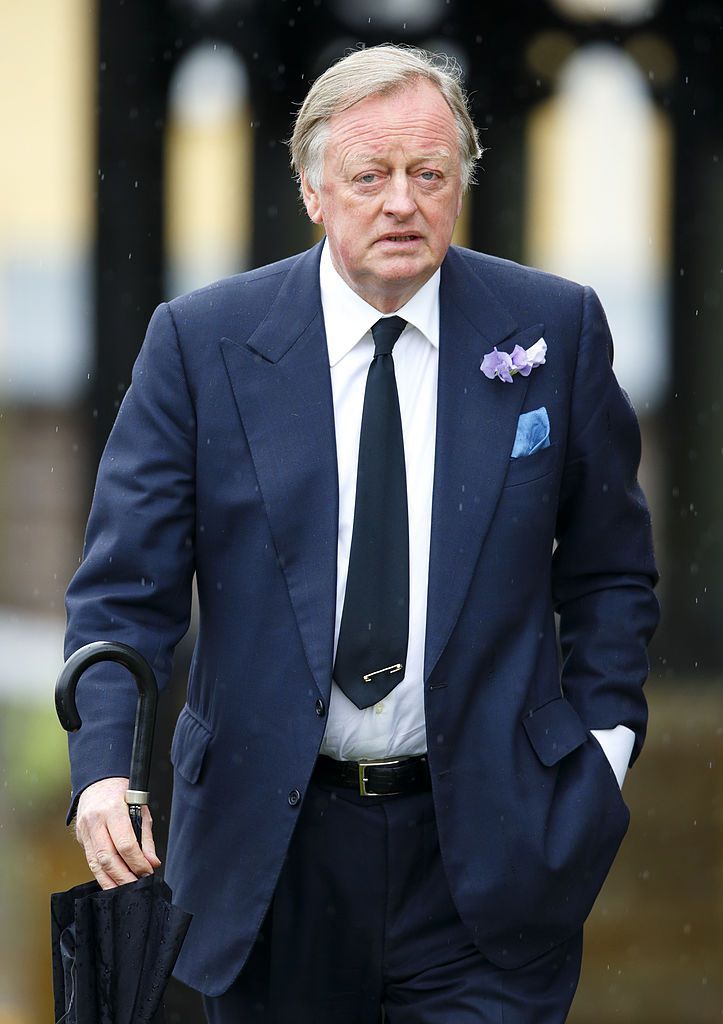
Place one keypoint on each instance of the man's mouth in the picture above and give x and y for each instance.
(400, 238)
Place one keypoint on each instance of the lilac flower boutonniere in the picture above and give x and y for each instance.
(505, 366)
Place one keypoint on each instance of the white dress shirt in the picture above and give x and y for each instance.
(395, 727)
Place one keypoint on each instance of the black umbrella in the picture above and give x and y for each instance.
(114, 949)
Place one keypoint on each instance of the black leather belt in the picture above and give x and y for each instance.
(383, 777)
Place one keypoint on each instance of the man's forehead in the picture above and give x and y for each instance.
(383, 151)
(361, 133)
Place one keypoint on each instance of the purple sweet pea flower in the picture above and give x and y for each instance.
(520, 361)
(536, 353)
(505, 366)
(497, 364)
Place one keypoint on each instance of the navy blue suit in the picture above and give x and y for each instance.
(222, 462)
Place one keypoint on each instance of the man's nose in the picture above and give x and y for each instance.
(399, 199)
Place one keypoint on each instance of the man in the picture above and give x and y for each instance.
(371, 521)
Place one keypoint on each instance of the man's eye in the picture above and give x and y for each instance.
(367, 179)
(428, 175)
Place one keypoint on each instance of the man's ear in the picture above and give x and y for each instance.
(312, 202)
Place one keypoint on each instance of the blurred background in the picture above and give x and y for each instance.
(143, 155)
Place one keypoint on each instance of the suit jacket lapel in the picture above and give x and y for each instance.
(476, 426)
(282, 386)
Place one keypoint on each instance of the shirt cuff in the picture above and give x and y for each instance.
(617, 745)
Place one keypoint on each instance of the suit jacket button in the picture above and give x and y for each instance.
(320, 708)
(294, 797)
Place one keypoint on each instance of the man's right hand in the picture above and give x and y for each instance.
(103, 828)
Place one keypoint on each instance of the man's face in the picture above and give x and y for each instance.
(391, 192)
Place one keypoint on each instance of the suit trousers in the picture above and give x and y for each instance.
(362, 930)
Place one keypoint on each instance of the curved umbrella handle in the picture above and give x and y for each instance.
(67, 710)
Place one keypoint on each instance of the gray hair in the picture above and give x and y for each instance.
(375, 71)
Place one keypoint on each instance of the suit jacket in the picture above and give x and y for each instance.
(222, 462)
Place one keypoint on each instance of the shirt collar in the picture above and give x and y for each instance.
(347, 317)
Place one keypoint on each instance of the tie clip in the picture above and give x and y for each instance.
(391, 669)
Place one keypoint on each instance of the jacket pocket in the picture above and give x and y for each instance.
(190, 741)
(531, 467)
(555, 729)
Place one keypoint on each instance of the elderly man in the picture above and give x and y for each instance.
(388, 462)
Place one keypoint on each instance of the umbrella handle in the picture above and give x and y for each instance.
(67, 710)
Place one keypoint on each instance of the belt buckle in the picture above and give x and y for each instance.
(381, 762)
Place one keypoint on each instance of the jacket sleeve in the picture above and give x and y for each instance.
(603, 567)
(134, 582)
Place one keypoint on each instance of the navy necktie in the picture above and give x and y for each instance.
(371, 652)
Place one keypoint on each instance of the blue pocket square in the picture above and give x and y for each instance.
(533, 433)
